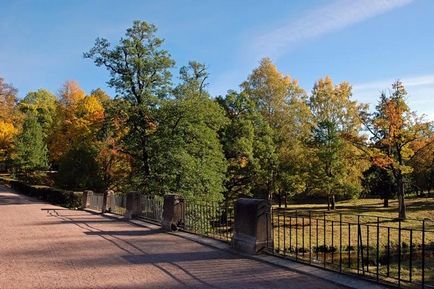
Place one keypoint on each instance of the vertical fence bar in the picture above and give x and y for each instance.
(302, 226)
(411, 256)
(278, 230)
(317, 244)
(340, 242)
(324, 241)
(358, 244)
(423, 254)
(310, 236)
(367, 248)
(284, 231)
(290, 233)
(296, 235)
(378, 248)
(399, 253)
(349, 245)
(332, 247)
(388, 251)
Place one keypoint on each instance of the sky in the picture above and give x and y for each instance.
(369, 43)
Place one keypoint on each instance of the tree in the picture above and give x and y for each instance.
(186, 155)
(10, 121)
(42, 104)
(79, 169)
(77, 120)
(395, 132)
(115, 165)
(139, 71)
(379, 182)
(30, 149)
(281, 102)
(248, 147)
(337, 165)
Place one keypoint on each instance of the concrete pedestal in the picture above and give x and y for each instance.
(252, 230)
(173, 212)
(85, 199)
(133, 205)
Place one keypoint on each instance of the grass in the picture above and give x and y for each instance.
(310, 233)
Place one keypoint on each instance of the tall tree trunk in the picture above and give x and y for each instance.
(333, 202)
(104, 202)
(145, 159)
(386, 202)
(328, 202)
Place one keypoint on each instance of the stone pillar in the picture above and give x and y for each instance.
(173, 212)
(107, 201)
(133, 205)
(85, 199)
(252, 229)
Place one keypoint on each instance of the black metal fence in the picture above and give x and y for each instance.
(116, 203)
(212, 220)
(152, 208)
(96, 201)
(384, 249)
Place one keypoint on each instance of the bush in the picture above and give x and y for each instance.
(47, 194)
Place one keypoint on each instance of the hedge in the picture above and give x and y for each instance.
(47, 194)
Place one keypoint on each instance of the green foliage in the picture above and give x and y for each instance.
(48, 194)
(379, 182)
(336, 164)
(42, 105)
(248, 146)
(30, 147)
(186, 156)
(139, 71)
(79, 169)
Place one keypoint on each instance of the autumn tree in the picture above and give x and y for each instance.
(9, 121)
(398, 136)
(281, 102)
(336, 164)
(114, 163)
(422, 176)
(77, 120)
(139, 70)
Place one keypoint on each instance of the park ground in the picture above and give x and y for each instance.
(76, 250)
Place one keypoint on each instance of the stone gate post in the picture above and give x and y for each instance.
(85, 198)
(173, 212)
(252, 230)
(133, 204)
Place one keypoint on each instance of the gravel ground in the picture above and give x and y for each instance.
(76, 249)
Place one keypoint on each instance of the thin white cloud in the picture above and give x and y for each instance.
(420, 90)
(410, 81)
(332, 17)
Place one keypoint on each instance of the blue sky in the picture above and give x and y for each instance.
(369, 43)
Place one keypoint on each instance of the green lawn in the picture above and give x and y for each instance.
(310, 233)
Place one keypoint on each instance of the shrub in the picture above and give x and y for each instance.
(48, 194)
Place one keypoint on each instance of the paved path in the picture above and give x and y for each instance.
(77, 249)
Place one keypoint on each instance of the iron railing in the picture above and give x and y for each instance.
(384, 249)
(152, 208)
(96, 201)
(116, 204)
(212, 220)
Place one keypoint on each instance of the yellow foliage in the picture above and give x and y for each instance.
(78, 118)
(7, 133)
